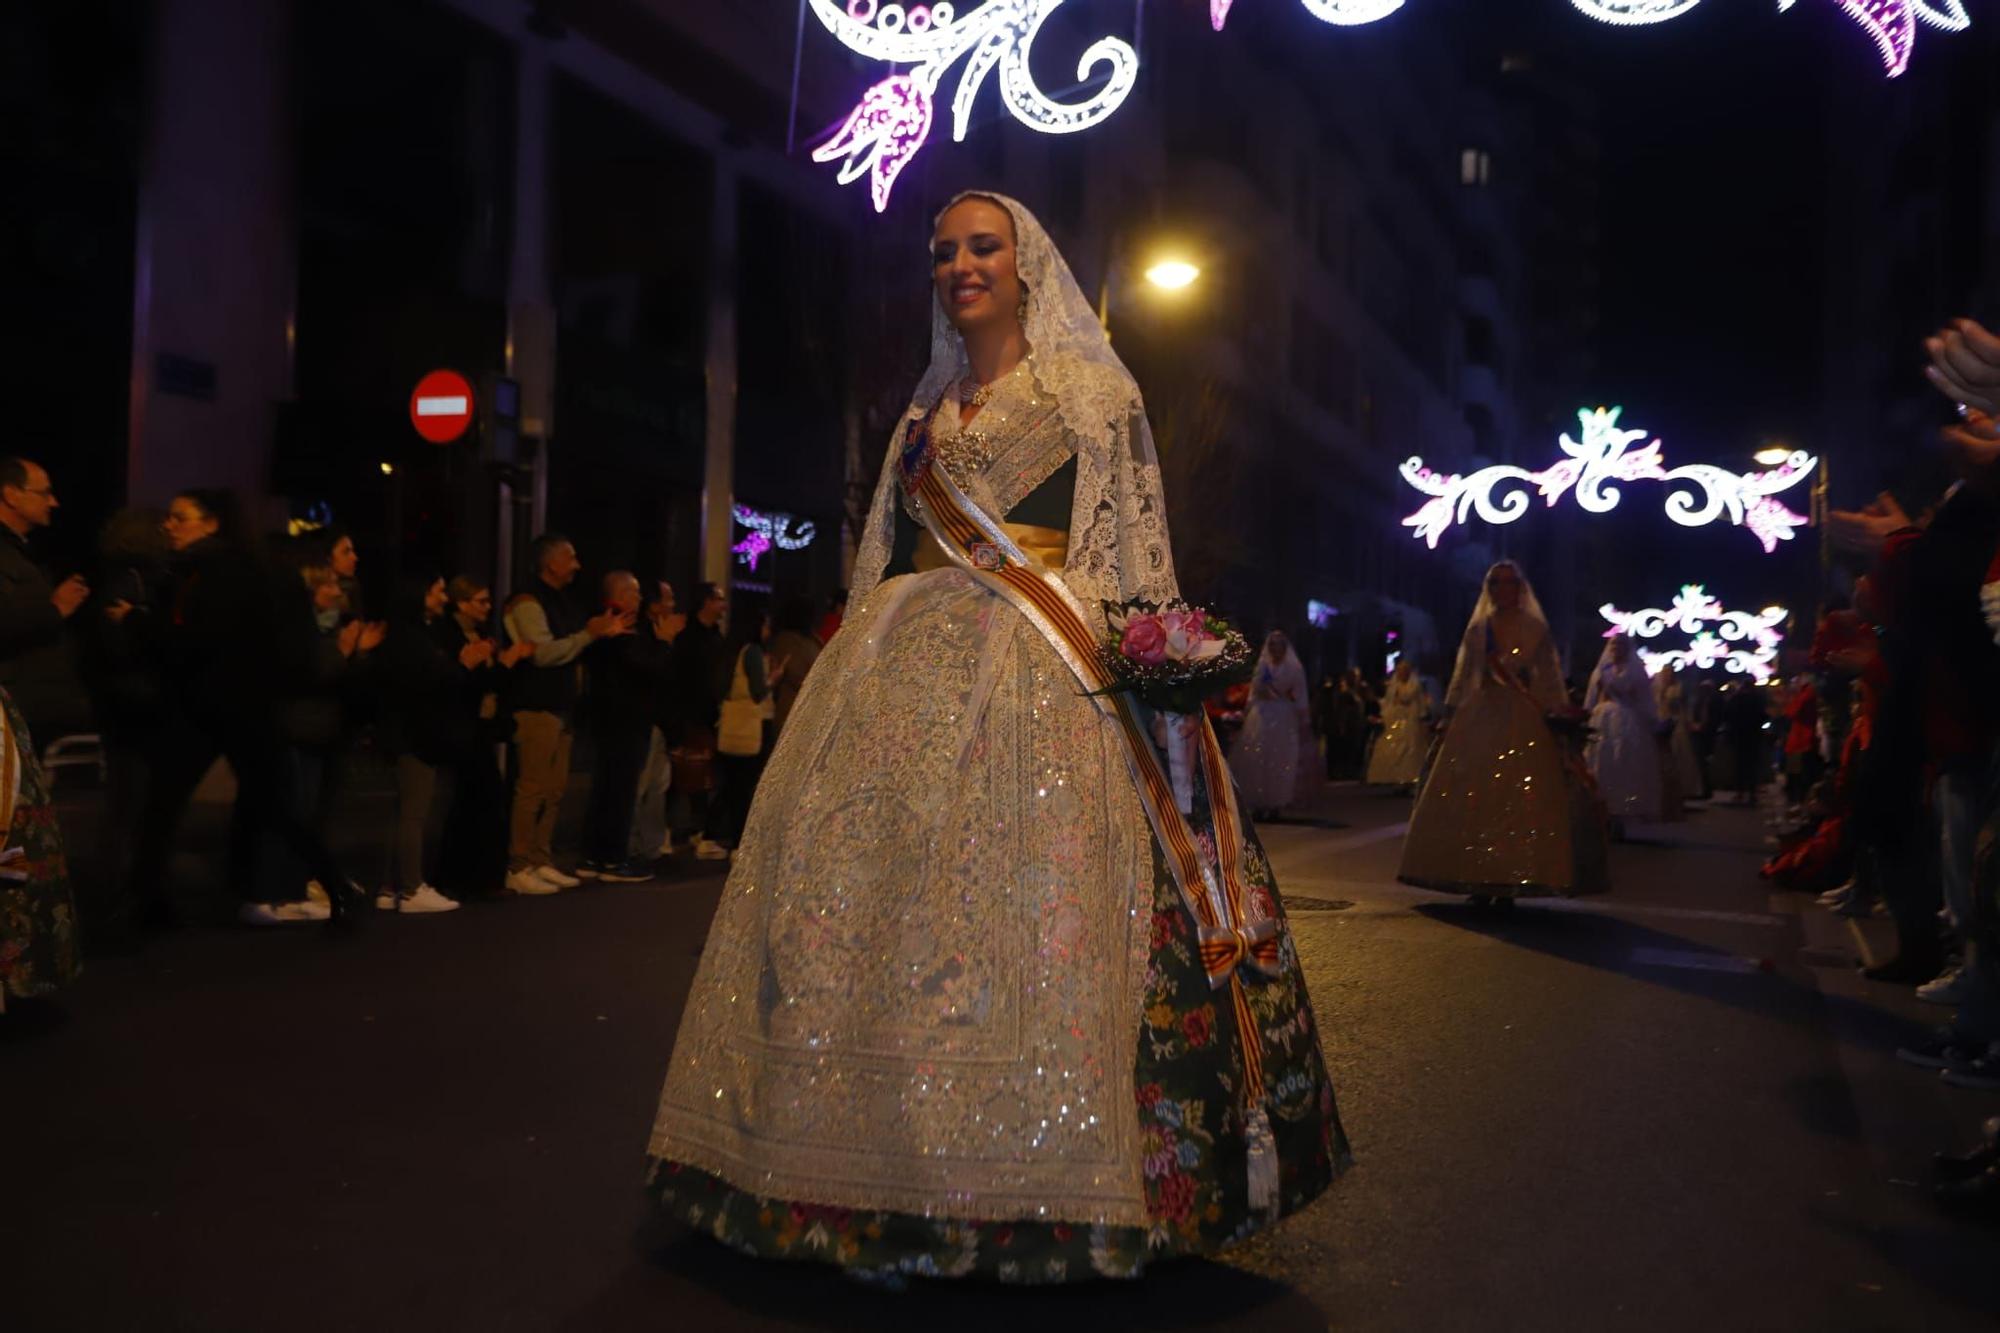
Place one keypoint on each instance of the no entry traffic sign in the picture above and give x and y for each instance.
(441, 408)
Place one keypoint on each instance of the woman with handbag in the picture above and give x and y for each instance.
(744, 732)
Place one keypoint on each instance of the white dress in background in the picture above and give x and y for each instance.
(1624, 748)
(1398, 759)
(1671, 703)
(1269, 754)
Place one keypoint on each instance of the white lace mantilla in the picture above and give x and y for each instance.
(1119, 547)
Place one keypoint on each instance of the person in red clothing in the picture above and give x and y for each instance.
(829, 624)
(1944, 664)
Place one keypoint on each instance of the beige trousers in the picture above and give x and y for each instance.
(541, 774)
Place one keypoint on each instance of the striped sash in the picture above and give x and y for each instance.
(1214, 892)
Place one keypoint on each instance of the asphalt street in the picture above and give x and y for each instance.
(1672, 1107)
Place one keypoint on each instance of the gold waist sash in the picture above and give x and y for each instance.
(1048, 545)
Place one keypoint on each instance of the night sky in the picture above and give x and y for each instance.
(1713, 178)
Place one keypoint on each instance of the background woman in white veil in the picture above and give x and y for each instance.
(1670, 703)
(1624, 748)
(1398, 757)
(1502, 814)
(1270, 757)
(952, 1017)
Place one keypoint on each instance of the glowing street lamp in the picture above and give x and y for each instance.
(1172, 274)
(1772, 455)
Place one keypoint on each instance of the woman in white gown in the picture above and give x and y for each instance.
(1624, 748)
(987, 993)
(1506, 810)
(1270, 755)
(1398, 759)
(1670, 702)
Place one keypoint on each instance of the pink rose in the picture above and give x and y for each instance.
(1188, 639)
(1145, 641)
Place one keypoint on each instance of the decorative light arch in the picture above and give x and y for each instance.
(1891, 24)
(1703, 494)
(893, 118)
(1743, 642)
(921, 42)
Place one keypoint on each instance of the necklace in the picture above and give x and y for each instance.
(971, 393)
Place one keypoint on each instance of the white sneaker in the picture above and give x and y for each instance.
(282, 914)
(1952, 988)
(557, 877)
(704, 850)
(386, 900)
(316, 892)
(424, 898)
(528, 882)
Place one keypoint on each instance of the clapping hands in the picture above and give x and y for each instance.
(1864, 531)
(1965, 365)
(611, 624)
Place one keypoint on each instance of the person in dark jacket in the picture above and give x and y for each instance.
(651, 837)
(701, 673)
(421, 724)
(37, 658)
(327, 672)
(466, 722)
(127, 695)
(626, 678)
(221, 668)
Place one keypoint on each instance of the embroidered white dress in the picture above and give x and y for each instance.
(927, 982)
(1398, 757)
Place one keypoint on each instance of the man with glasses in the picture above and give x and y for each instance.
(37, 659)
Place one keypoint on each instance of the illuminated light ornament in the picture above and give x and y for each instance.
(881, 135)
(1743, 642)
(1892, 24)
(1344, 13)
(1351, 13)
(1603, 455)
(1631, 13)
(894, 117)
(764, 532)
(1950, 16)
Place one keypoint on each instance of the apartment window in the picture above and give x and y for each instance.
(1475, 167)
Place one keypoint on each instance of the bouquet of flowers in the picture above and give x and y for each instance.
(1173, 657)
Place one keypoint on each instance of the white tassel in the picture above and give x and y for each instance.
(1263, 1162)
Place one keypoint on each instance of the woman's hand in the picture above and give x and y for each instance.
(477, 652)
(371, 636)
(515, 653)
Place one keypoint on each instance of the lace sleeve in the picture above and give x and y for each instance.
(1118, 546)
(1146, 556)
